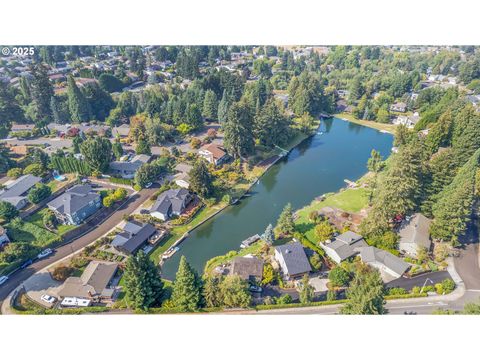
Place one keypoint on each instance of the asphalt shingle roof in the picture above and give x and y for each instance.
(74, 199)
(295, 259)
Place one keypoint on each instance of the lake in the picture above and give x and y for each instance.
(319, 165)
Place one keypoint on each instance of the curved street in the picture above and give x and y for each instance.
(63, 251)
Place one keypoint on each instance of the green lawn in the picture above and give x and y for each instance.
(37, 219)
(372, 124)
(351, 200)
(31, 233)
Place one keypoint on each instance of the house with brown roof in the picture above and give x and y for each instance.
(248, 268)
(92, 284)
(214, 154)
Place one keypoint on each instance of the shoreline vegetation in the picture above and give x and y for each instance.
(389, 128)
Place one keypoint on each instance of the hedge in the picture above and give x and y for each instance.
(297, 305)
(405, 296)
(122, 181)
(70, 311)
(69, 164)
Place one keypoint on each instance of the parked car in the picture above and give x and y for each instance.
(26, 263)
(3, 279)
(45, 253)
(255, 289)
(48, 299)
(144, 211)
(148, 185)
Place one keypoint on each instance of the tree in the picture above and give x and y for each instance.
(272, 125)
(374, 164)
(38, 193)
(402, 135)
(307, 291)
(201, 181)
(238, 131)
(15, 173)
(285, 224)
(223, 107)
(452, 212)
(10, 110)
(41, 91)
(77, 102)
(97, 152)
(187, 292)
(62, 272)
(117, 149)
(194, 117)
(143, 285)
(338, 276)
(110, 83)
(34, 169)
(268, 236)
(7, 211)
(365, 294)
(235, 292)
(305, 123)
(324, 231)
(210, 105)
(143, 147)
(211, 292)
(268, 274)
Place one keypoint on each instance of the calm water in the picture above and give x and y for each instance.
(317, 166)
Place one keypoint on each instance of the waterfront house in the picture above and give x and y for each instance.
(182, 180)
(390, 266)
(15, 192)
(171, 202)
(249, 268)
(133, 236)
(415, 234)
(93, 284)
(214, 154)
(344, 246)
(398, 107)
(75, 205)
(127, 169)
(292, 260)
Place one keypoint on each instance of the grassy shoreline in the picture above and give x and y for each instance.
(389, 128)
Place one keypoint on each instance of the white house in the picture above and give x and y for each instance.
(213, 153)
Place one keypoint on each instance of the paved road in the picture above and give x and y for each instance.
(134, 202)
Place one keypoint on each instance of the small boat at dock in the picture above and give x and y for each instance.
(169, 253)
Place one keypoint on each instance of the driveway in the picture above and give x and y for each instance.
(419, 280)
(128, 208)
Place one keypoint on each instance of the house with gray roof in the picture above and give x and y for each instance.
(292, 260)
(171, 202)
(127, 169)
(92, 284)
(15, 192)
(344, 246)
(75, 204)
(415, 234)
(390, 266)
(134, 235)
(249, 268)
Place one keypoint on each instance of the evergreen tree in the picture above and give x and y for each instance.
(56, 111)
(238, 131)
(117, 149)
(210, 105)
(10, 110)
(271, 125)
(268, 236)
(211, 292)
(143, 285)
(453, 210)
(223, 107)
(42, 92)
(77, 103)
(143, 147)
(186, 295)
(365, 294)
(97, 152)
(194, 117)
(374, 164)
(307, 291)
(201, 181)
(234, 292)
(285, 223)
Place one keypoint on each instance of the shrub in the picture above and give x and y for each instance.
(79, 262)
(284, 299)
(14, 173)
(7, 211)
(62, 272)
(315, 261)
(34, 169)
(331, 295)
(195, 143)
(397, 291)
(339, 276)
(448, 285)
(268, 274)
(38, 193)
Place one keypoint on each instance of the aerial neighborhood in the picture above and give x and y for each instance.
(203, 178)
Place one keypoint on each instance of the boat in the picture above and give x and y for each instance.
(169, 253)
(249, 241)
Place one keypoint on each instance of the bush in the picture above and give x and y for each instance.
(7, 211)
(315, 261)
(195, 143)
(14, 173)
(34, 169)
(448, 285)
(62, 272)
(122, 181)
(339, 276)
(397, 291)
(284, 299)
(331, 295)
(38, 193)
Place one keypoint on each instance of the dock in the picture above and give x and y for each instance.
(249, 241)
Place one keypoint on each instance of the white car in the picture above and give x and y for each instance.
(48, 299)
(3, 279)
(147, 186)
(45, 253)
